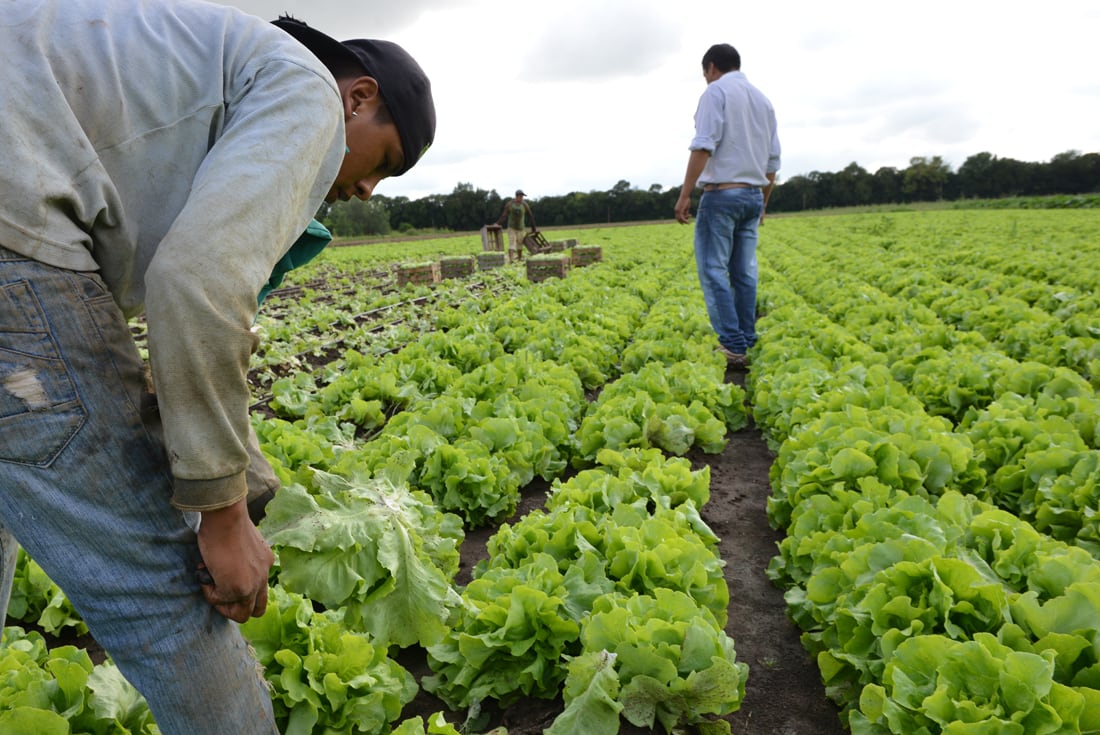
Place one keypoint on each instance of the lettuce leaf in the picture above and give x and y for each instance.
(591, 695)
(382, 554)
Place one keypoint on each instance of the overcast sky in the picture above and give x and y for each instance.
(557, 96)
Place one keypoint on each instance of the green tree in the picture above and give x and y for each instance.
(976, 176)
(925, 179)
(468, 208)
(1012, 177)
(886, 188)
(1072, 173)
(854, 186)
(797, 194)
(356, 218)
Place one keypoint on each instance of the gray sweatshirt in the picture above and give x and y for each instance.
(179, 149)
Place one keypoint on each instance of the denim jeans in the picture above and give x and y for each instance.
(725, 258)
(85, 488)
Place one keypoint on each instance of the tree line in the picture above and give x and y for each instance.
(925, 179)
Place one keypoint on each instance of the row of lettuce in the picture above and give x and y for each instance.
(930, 394)
(612, 594)
(354, 305)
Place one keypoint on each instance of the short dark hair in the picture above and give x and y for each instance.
(723, 56)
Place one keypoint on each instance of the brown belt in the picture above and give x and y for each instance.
(731, 185)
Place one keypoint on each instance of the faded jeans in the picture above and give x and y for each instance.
(85, 488)
(725, 258)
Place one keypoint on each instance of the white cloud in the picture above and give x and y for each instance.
(362, 20)
(573, 96)
(590, 42)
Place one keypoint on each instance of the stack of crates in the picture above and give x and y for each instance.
(541, 267)
(587, 255)
(418, 274)
(489, 261)
(456, 266)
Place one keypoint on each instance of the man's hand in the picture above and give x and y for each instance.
(697, 161)
(237, 559)
(683, 208)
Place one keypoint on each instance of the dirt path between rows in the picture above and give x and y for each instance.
(784, 694)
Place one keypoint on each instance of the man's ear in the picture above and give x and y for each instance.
(362, 92)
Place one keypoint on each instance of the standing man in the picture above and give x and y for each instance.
(734, 156)
(166, 159)
(516, 211)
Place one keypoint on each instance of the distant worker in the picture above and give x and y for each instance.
(734, 156)
(516, 211)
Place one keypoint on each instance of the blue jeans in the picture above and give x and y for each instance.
(725, 258)
(85, 488)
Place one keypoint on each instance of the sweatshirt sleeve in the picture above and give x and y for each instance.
(254, 194)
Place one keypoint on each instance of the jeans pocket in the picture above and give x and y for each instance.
(40, 409)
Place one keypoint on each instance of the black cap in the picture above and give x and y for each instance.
(519, 193)
(403, 84)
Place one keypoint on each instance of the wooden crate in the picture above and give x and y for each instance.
(489, 261)
(587, 255)
(536, 243)
(456, 266)
(557, 246)
(492, 238)
(541, 267)
(418, 274)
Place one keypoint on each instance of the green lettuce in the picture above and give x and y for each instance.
(935, 684)
(675, 666)
(325, 677)
(514, 627)
(44, 691)
(382, 554)
(37, 599)
(591, 696)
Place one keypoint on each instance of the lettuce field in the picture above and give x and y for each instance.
(547, 507)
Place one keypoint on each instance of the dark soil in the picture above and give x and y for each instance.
(784, 694)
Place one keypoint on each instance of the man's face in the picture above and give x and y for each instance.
(375, 150)
(375, 154)
(710, 73)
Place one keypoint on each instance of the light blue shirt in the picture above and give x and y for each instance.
(735, 122)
